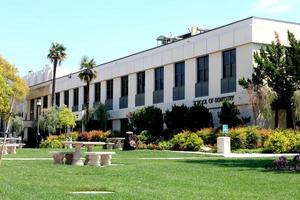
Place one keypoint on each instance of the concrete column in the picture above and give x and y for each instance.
(215, 73)
(149, 87)
(81, 96)
(61, 98)
(190, 78)
(103, 92)
(116, 93)
(168, 83)
(116, 125)
(131, 90)
(35, 109)
(223, 145)
(71, 98)
(49, 101)
(92, 95)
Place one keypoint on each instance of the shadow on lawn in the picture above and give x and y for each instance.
(262, 164)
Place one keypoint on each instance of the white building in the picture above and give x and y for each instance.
(205, 66)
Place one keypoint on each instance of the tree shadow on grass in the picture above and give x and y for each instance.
(259, 164)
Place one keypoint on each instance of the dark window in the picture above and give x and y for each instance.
(109, 89)
(45, 102)
(31, 109)
(229, 63)
(124, 86)
(179, 74)
(228, 81)
(75, 97)
(140, 82)
(159, 79)
(202, 69)
(66, 98)
(57, 99)
(97, 92)
(85, 94)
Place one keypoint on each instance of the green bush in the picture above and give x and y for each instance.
(186, 141)
(149, 118)
(229, 115)
(279, 141)
(177, 118)
(238, 138)
(251, 137)
(296, 146)
(145, 137)
(53, 142)
(165, 145)
(198, 117)
(209, 135)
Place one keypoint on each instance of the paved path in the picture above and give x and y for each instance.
(27, 159)
(240, 155)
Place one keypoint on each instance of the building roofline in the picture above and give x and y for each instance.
(210, 30)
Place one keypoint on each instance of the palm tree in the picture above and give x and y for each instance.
(87, 74)
(57, 53)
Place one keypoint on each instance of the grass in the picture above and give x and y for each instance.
(196, 177)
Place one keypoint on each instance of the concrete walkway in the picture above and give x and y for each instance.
(27, 158)
(240, 155)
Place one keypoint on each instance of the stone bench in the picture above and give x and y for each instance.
(99, 158)
(9, 148)
(109, 146)
(62, 157)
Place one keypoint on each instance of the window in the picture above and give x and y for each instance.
(109, 89)
(57, 99)
(178, 90)
(202, 69)
(229, 63)
(97, 92)
(228, 81)
(45, 102)
(140, 82)
(159, 78)
(66, 98)
(201, 87)
(85, 95)
(75, 97)
(31, 109)
(124, 86)
(179, 74)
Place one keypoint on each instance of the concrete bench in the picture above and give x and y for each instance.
(61, 157)
(9, 148)
(109, 146)
(21, 145)
(99, 158)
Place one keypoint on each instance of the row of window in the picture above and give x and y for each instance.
(228, 84)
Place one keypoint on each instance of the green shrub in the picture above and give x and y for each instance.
(238, 138)
(145, 137)
(229, 115)
(279, 141)
(165, 145)
(149, 118)
(251, 137)
(177, 118)
(209, 135)
(187, 141)
(296, 146)
(198, 117)
(94, 135)
(52, 142)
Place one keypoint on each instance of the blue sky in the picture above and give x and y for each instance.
(109, 29)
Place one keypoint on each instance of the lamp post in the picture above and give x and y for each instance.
(39, 104)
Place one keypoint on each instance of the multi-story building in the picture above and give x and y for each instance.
(204, 65)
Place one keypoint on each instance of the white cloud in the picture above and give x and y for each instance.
(275, 6)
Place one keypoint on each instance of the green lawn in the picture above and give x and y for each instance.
(196, 177)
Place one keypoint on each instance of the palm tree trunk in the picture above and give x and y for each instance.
(53, 81)
(87, 101)
(276, 117)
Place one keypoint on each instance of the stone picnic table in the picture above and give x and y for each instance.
(117, 142)
(78, 145)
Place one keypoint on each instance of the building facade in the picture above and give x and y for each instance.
(204, 67)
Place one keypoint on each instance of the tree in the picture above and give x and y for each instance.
(279, 68)
(57, 54)
(87, 74)
(100, 114)
(199, 117)
(12, 88)
(229, 115)
(296, 105)
(48, 122)
(177, 118)
(66, 118)
(17, 125)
